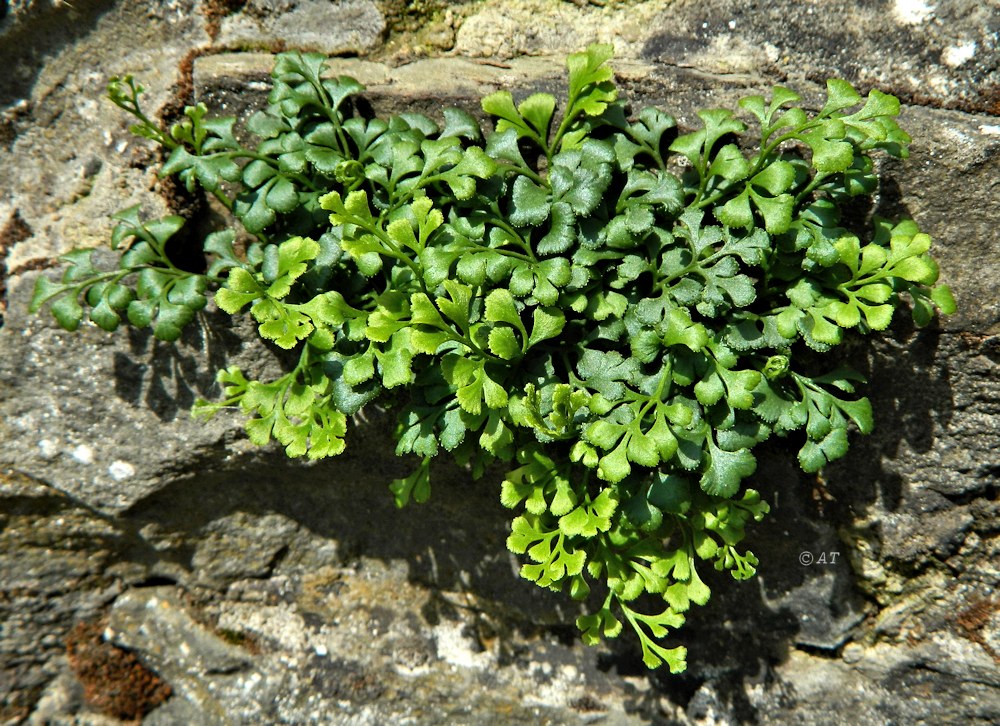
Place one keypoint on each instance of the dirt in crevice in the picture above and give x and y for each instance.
(215, 11)
(10, 119)
(986, 101)
(14, 231)
(183, 249)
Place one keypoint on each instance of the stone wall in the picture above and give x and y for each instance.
(144, 554)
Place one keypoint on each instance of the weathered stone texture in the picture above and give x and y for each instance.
(268, 591)
(334, 28)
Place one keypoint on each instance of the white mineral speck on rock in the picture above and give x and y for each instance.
(120, 470)
(853, 653)
(457, 649)
(48, 449)
(88, 109)
(84, 454)
(960, 54)
(251, 683)
(913, 12)
(321, 651)
(990, 129)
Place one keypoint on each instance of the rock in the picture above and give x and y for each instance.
(936, 53)
(200, 667)
(91, 438)
(510, 29)
(920, 48)
(334, 27)
(67, 152)
(298, 666)
(239, 547)
(153, 622)
(176, 711)
(57, 558)
(63, 694)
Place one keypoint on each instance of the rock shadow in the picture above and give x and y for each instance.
(167, 378)
(911, 395)
(455, 541)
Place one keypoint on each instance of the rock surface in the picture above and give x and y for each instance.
(264, 591)
(335, 28)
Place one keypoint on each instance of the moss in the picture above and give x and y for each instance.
(114, 681)
(422, 27)
(403, 16)
(239, 639)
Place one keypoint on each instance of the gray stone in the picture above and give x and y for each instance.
(200, 667)
(56, 557)
(239, 547)
(307, 659)
(153, 621)
(175, 711)
(66, 150)
(63, 694)
(91, 438)
(509, 29)
(940, 53)
(334, 27)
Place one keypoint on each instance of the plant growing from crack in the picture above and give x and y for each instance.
(617, 311)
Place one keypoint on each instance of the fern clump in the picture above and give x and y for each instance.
(616, 310)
